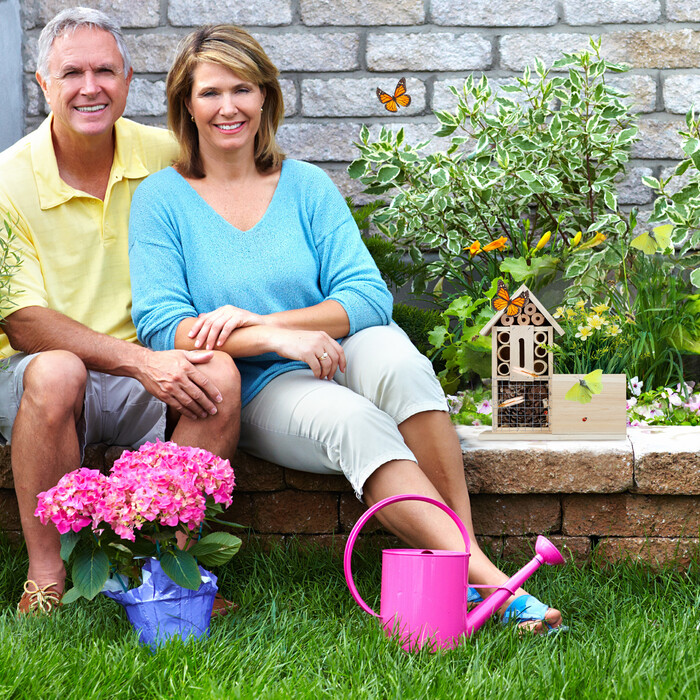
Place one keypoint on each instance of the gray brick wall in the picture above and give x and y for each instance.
(333, 54)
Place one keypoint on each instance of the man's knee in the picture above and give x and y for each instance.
(55, 382)
(224, 374)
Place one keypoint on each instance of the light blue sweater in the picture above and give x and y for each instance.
(186, 259)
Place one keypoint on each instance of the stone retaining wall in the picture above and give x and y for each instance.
(333, 54)
(638, 497)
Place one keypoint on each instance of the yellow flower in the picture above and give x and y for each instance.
(543, 240)
(580, 304)
(498, 244)
(595, 322)
(601, 308)
(559, 312)
(614, 329)
(584, 332)
(474, 248)
(576, 239)
(598, 238)
(570, 313)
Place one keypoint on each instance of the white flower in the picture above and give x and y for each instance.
(631, 402)
(636, 424)
(454, 403)
(635, 386)
(673, 398)
(485, 407)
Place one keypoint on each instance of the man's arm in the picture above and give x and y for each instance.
(170, 376)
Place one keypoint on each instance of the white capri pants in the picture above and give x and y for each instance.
(347, 425)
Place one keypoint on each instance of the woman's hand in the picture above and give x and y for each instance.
(321, 352)
(211, 329)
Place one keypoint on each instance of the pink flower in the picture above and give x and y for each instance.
(485, 407)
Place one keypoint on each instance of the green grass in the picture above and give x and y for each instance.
(298, 634)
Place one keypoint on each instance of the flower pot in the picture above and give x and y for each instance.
(160, 609)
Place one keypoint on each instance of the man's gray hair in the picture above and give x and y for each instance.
(68, 21)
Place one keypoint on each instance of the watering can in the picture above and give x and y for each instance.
(424, 591)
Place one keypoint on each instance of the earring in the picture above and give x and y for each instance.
(261, 109)
(191, 118)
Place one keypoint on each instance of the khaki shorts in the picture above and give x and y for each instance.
(116, 411)
(348, 425)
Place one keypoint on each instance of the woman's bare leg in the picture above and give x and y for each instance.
(440, 474)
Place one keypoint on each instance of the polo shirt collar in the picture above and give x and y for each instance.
(52, 190)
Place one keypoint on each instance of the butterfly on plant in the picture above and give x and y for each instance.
(502, 300)
(398, 99)
(586, 387)
(657, 240)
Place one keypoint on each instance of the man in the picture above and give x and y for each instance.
(76, 374)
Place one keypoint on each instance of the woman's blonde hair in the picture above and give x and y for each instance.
(235, 49)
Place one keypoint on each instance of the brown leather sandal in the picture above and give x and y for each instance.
(222, 606)
(39, 601)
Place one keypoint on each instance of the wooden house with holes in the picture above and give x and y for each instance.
(528, 399)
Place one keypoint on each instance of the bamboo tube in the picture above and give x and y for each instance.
(507, 320)
(539, 367)
(540, 337)
(540, 351)
(523, 319)
(529, 309)
(503, 369)
(537, 319)
(503, 353)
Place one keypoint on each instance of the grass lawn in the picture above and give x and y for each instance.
(298, 634)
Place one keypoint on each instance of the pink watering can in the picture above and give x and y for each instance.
(424, 591)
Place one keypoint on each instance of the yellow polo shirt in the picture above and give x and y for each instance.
(74, 247)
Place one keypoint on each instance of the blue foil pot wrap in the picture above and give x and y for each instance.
(160, 609)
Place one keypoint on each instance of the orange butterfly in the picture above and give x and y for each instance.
(502, 300)
(399, 99)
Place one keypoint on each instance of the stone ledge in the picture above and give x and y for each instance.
(637, 498)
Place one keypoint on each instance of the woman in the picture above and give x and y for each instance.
(237, 249)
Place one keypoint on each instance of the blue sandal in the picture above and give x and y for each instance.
(473, 596)
(526, 608)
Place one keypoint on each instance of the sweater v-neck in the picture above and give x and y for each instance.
(206, 205)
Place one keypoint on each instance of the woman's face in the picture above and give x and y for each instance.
(226, 109)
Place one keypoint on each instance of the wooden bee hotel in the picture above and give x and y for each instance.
(531, 402)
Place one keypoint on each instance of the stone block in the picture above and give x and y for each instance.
(241, 511)
(351, 510)
(9, 512)
(683, 10)
(515, 515)
(556, 466)
(657, 551)
(679, 48)
(491, 13)
(290, 96)
(34, 102)
(444, 99)
(659, 138)
(317, 142)
(263, 13)
(678, 182)
(415, 133)
(667, 460)
(681, 92)
(253, 474)
(519, 50)
(301, 512)
(632, 190)
(347, 186)
(641, 89)
(152, 53)
(308, 481)
(6, 478)
(520, 550)
(434, 51)
(146, 98)
(127, 13)
(362, 12)
(94, 457)
(353, 97)
(578, 12)
(631, 515)
(304, 51)
(29, 53)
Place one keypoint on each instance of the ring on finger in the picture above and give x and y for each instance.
(324, 356)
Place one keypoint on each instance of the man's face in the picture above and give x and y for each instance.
(86, 87)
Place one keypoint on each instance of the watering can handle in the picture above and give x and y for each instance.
(347, 559)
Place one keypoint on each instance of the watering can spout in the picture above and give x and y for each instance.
(546, 553)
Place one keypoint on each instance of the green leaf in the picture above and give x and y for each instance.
(437, 336)
(357, 168)
(695, 277)
(610, 200)
(68, 542)
(216, 549)
(387, 173)
(70, 596)
(90, 571)
(651, 182)
(182, 568)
